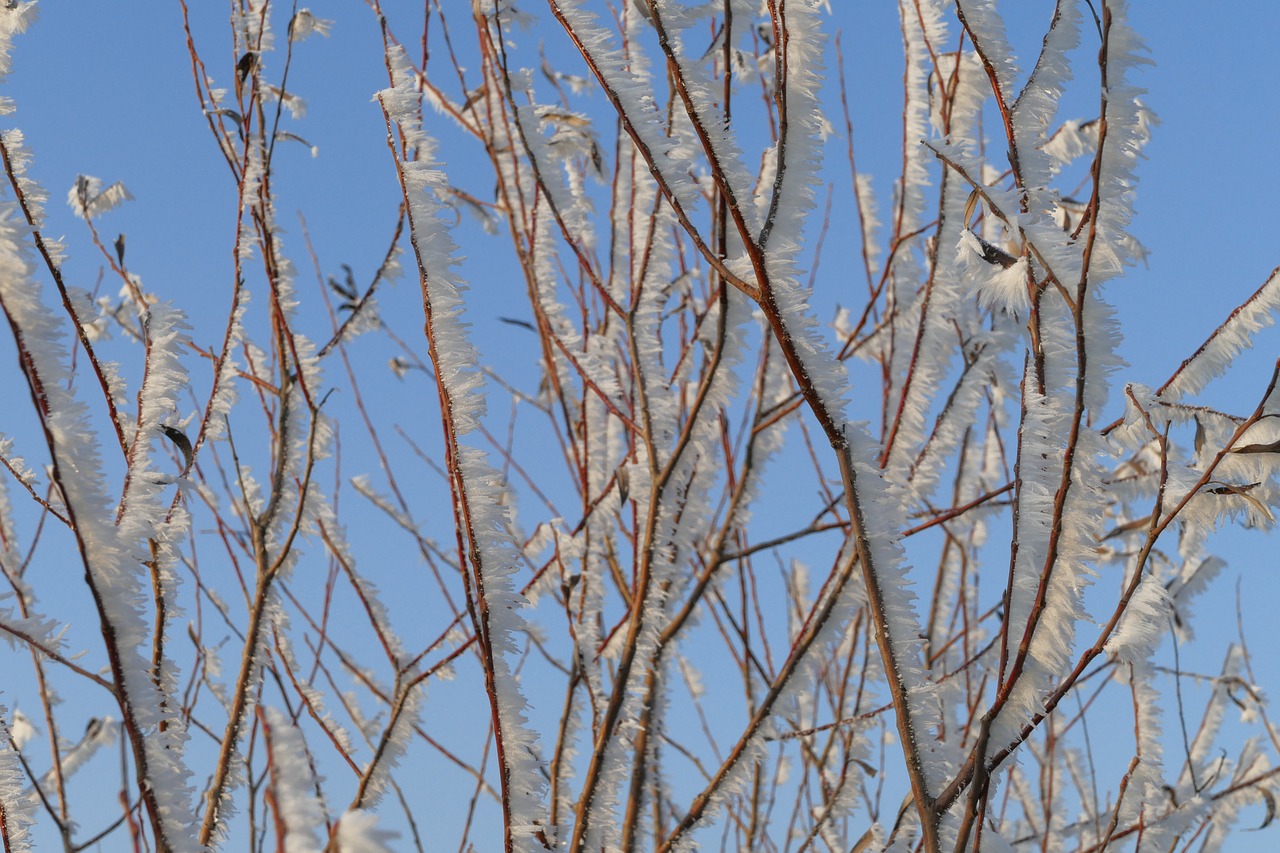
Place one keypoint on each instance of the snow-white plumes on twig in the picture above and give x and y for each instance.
(223, 395)
(16, 466)
(1128, 125)
(1052, 566)
(1192, 579)
(491, 553)
(494, 559)
(358, 833)
(931, 319)
(880, 507)
(1072, 140)
(703, 105)
(312, 697)
(323, 524)
(553, 139)
(1102, 348)
(1232, 337)
(364, 487)
(15, 17)
(1146, 778)
(799, 148)
(251, 22)
(679, 518)
(435, 250)
(998, 287)
(34, 195)
(1037, 105)
(113, 556)
(295, 104)
(671, 542)
(294, 785)
(869, 221)
(89, 199)
(986, 26)
(1143, 624)
(922, 25)
(17, 804)
(22, 729)
(674, 161)
(304, 25)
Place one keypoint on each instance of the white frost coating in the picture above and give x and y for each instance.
(18, 467)
(705, 98)
(14, 19)
(1193, 579)
(314, 698)
(1072, 140)
(675, 161)
(252, 25)
(294, 785)
(496, 559)
(17, 805)
(922, 24)
(827, 376)
(997, 287)
(1226, 342)
(1147, 780)
(323, 522)
(361, 483)
(304, 25)
(1142, 627)
(113, 555)
(98, 734)
(295, 104)
(927, 327)
(393, 739)
(988, 25)
(358, 833)
(23, 730)
(493, 552)
(1037, 104)
(223, 395)
(869, 220)
(800, 148)
(1063, 556)
(1128, 130)
(679, 523)
(984, 377)
(571, 138)
(33, 193)
(880, 512)
(89, 199)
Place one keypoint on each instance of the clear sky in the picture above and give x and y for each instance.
(105, 89)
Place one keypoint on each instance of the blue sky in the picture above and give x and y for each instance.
(106, 90)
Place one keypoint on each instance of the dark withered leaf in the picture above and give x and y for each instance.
(180, 441)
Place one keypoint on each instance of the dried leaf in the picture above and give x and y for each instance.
(346, 289)
(244, 66)
(993, 254)
(969, 208)
(1242, 491)
(1135, 524)
(180, 440)
(1270, 800)
(1272, 447)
